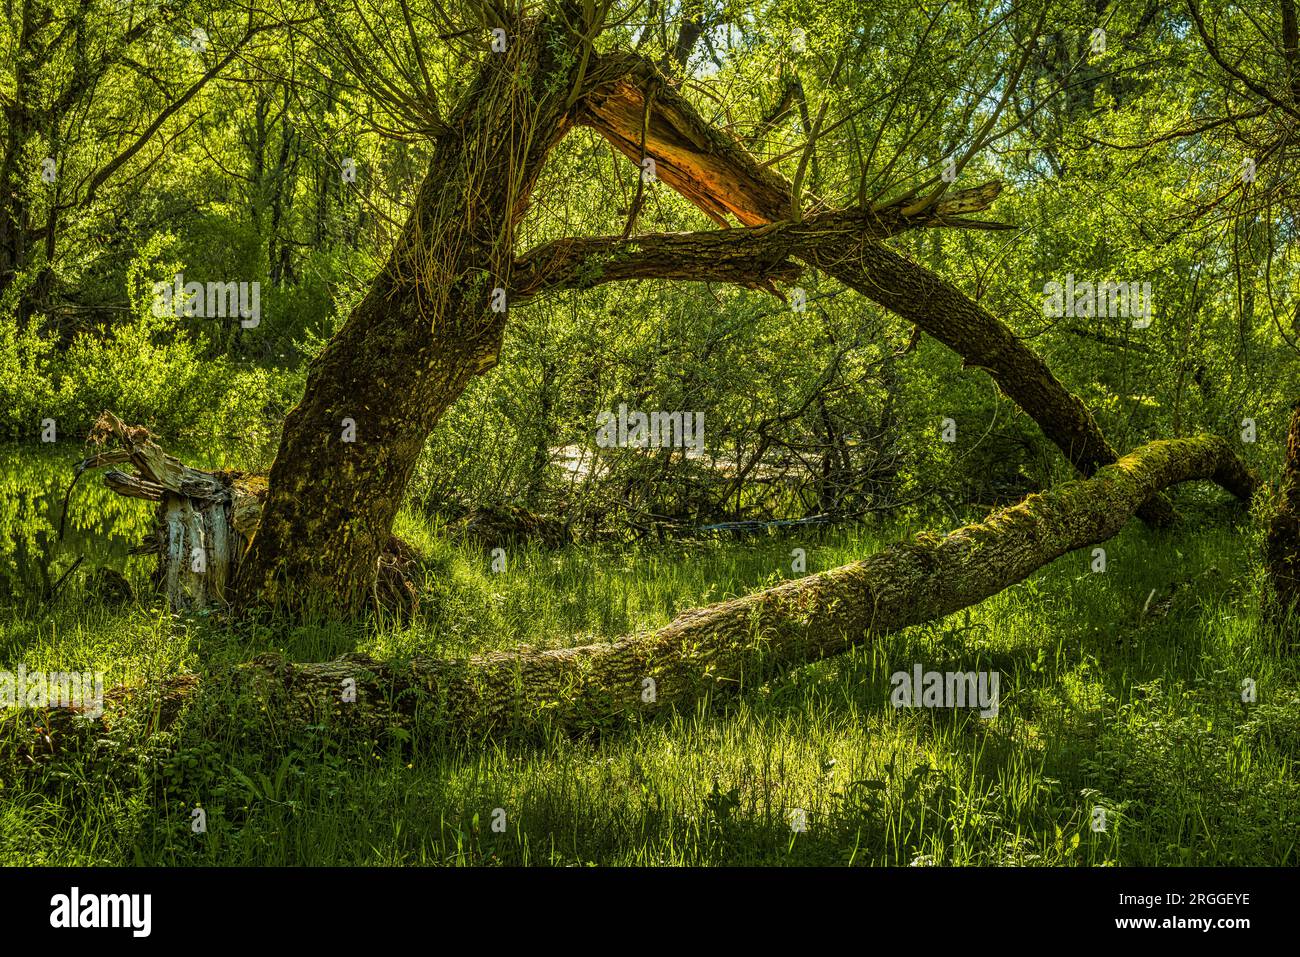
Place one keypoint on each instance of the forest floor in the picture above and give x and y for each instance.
(1119, 690)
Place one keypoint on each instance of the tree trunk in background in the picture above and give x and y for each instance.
(1283, 545)
(423, 331)
(726, 647)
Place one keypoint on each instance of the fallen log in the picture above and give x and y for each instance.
(726, 647)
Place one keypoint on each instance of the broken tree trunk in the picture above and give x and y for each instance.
(721, 177)
(205, 520)
(728, 646)
(1283, 543)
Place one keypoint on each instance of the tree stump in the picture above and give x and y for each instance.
(206, 520)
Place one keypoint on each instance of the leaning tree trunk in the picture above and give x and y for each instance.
(723, 648)
(721, 177)
(1283, 544)
(424, 330)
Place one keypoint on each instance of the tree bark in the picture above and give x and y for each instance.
(424, 330)
(721, 177)
(1283, 542)
(749, 257)
(726, 647)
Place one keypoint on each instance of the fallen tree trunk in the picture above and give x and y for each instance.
(1283, 544)
(721, 177)
(725, 647)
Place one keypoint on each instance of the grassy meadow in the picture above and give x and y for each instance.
(1119, 691)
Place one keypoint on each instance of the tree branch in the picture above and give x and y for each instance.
(116, 163)
(721, 177)
(750, 257)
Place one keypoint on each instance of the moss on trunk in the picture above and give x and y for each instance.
(425, 329)
(1283, 543)
(726, 647)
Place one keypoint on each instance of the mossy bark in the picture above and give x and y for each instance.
(426, 327)
(730, 646)
(1283, 542)
(722, 178)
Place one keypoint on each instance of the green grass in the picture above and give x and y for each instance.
(1103, 705)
